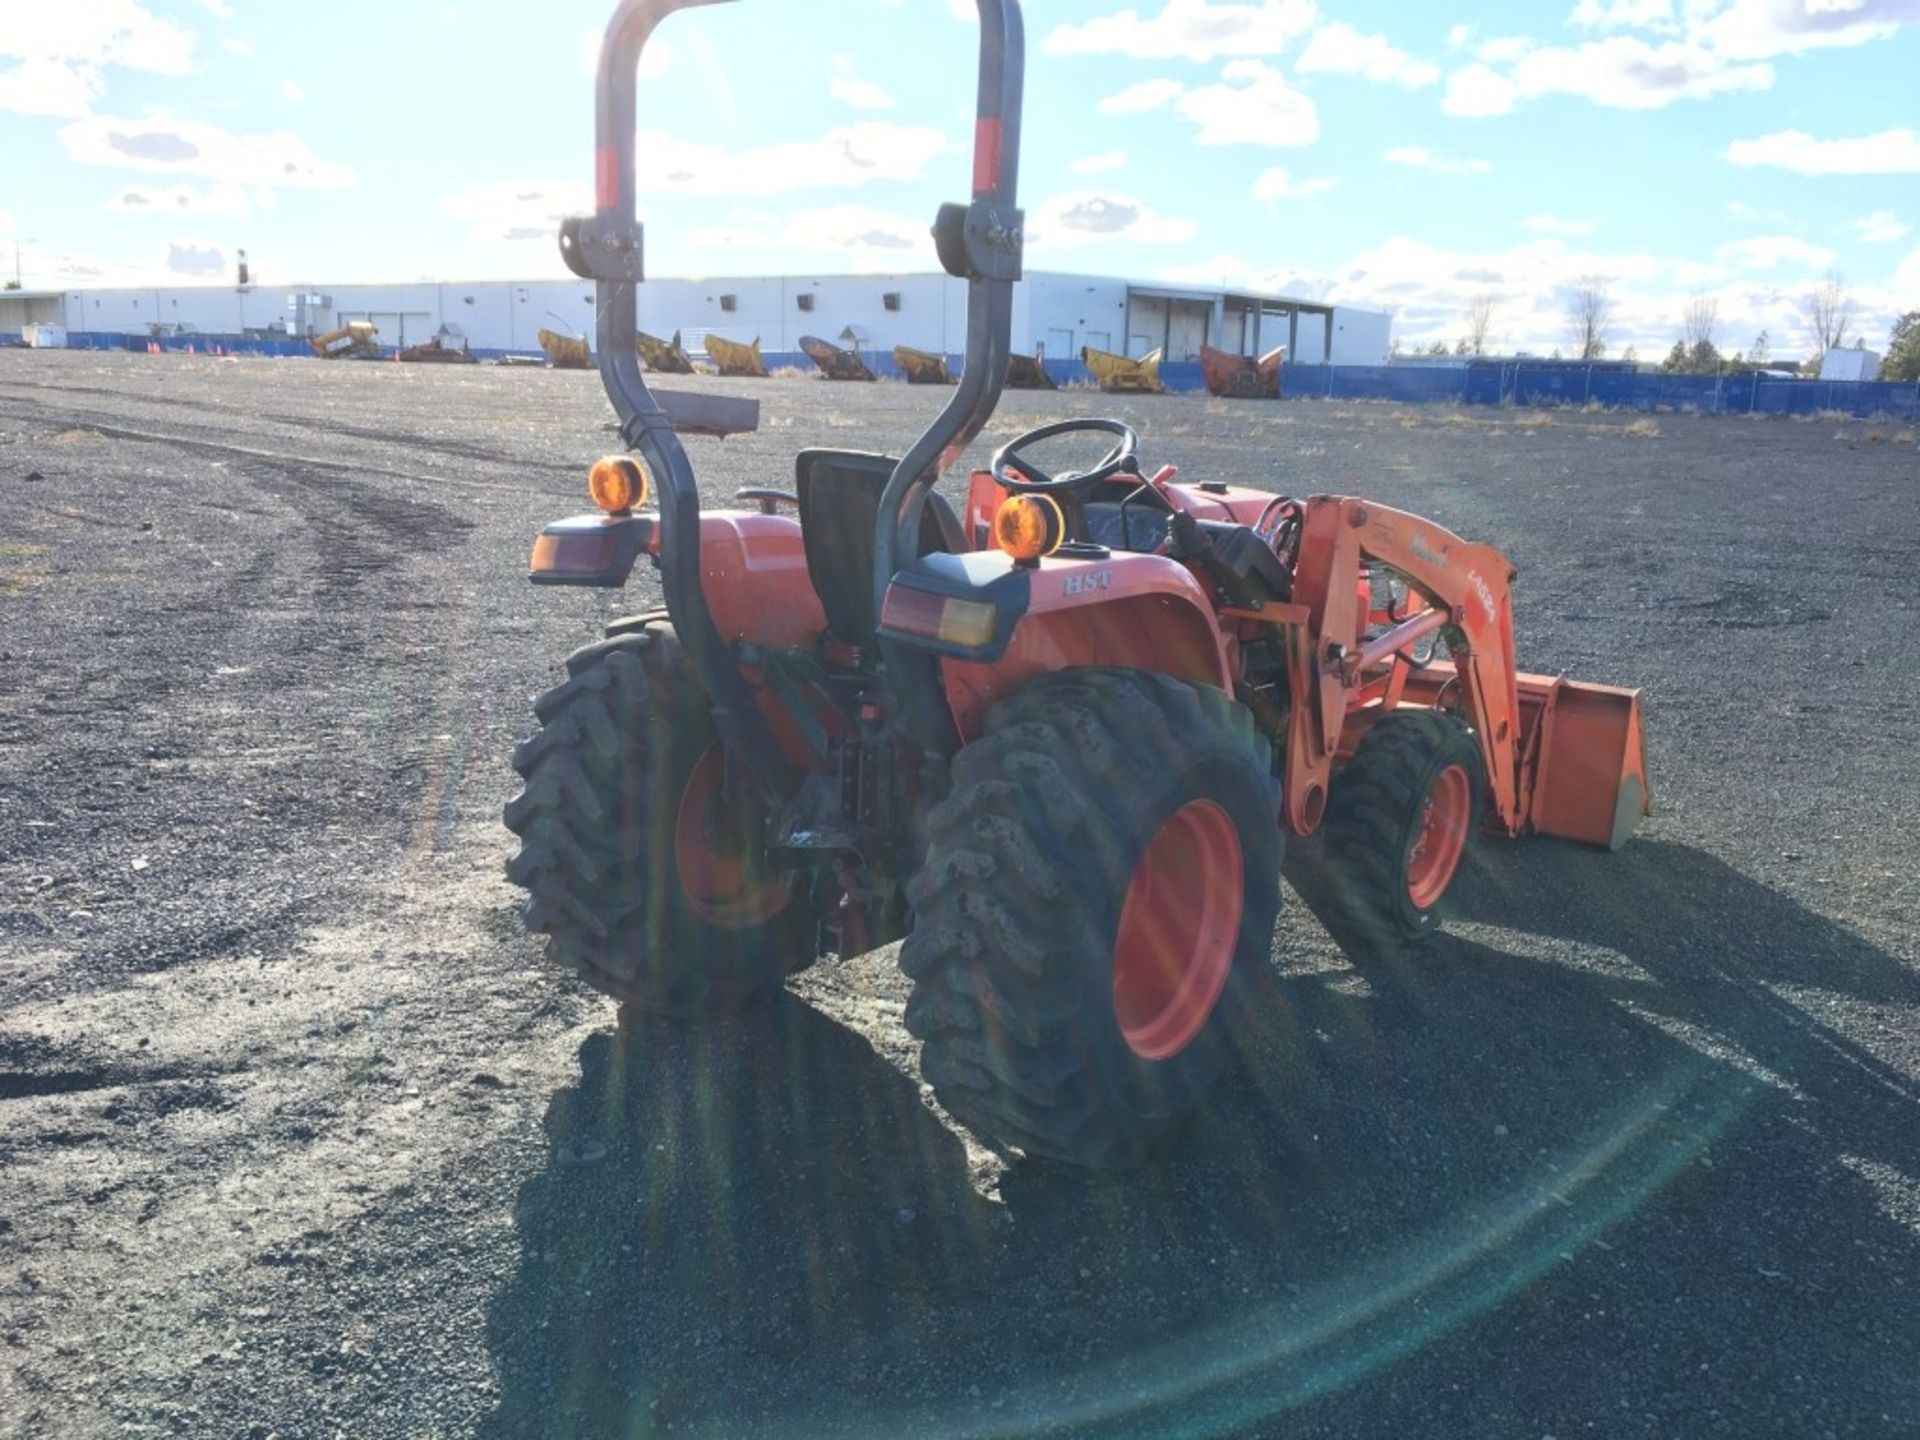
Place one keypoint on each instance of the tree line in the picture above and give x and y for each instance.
(1590, 313)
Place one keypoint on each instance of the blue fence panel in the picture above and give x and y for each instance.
(1478, 382)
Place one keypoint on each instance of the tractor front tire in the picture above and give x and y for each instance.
(645, 880)
(1100, 887)
(1400, 817)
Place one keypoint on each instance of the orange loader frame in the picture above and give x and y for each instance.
(1561, 757)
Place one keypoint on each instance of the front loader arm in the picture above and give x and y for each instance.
(1467, 583)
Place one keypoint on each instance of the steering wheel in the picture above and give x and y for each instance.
(1020, 476)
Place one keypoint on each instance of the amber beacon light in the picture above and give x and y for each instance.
(618, 483)
(1028, 527)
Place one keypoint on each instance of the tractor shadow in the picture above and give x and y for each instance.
(1603, 1146)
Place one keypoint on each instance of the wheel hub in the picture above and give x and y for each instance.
(1179, 928)
(711, 855)
(1439, 836)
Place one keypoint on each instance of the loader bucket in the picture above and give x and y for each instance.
(1587, 768)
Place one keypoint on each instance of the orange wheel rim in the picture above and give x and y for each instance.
(714, 874)
(1179, 928)
(1441, 836)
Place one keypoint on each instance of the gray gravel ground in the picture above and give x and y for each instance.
(298, 1136)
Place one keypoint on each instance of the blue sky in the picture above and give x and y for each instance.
(1406, 156)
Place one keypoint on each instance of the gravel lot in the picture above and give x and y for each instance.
(298, 1136)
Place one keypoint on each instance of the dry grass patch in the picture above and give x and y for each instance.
(1642, 429)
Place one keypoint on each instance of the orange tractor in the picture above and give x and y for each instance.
(1056, 741)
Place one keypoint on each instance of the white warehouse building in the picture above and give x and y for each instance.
(1054, 314)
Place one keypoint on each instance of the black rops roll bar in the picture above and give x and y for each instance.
(980, 242)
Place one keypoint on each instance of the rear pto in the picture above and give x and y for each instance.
(1056, 741)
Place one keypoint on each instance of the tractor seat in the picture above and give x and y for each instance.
(1141, 527)
(839, 493)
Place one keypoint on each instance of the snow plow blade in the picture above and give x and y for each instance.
(1242, 376)
(1118, 374)
(834, 362)
(735, 359)
(1025, 372)
(922, 367)
(566, 352)
(1584, 761)
(663, 357)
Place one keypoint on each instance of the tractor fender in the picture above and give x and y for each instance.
(753, 569)
(1142, 612)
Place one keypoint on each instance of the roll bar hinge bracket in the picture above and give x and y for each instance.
(981, 241)
(597, 249)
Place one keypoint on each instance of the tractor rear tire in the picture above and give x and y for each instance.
(1400, 817)
(1046, 1024)
(617, 849)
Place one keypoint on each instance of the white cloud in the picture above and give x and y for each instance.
(1459, 35)
(164, 145)
(218, 8)
(1099, 164)
(517, 211)
(844, 157)
(195, 261)
(1890, 152)
(1553, 225)
(1760, 29)
(1146, 95)
(98, 32)
(1419, 157)
(292, 90)
(850, 89)
(235, 45)
(1337, 48)
(1622, 14)
(60, 50)
(1251, 104)
(49, 87)
(1083, 217)
(1754, 29)
(1504, 49)
(1622, 71)
(873, 239)
(1274, 183)
(1233, 272)
(1689, 51)
(1882, 227)
(1906, 278)
(1479, 90)
(222, 200)
(1430, 289)
(1767, 252)
(1197, 30)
